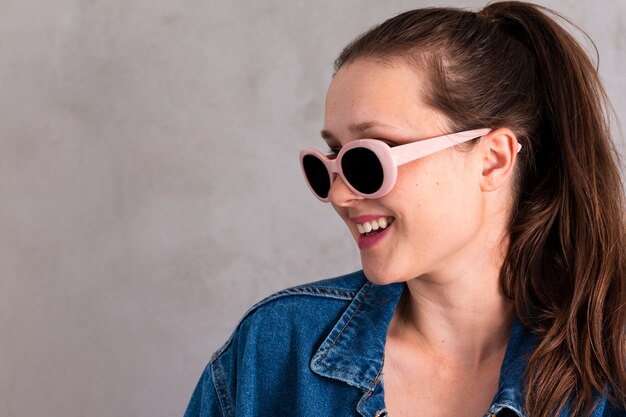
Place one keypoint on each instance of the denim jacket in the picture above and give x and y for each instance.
(317, 350)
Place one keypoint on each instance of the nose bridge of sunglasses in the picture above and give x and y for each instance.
(335, 172)
(332, 165)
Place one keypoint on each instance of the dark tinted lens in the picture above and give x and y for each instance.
(363, 170)
(317, 175)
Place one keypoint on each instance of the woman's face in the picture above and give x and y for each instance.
(435, 211)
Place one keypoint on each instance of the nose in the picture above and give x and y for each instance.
(340, 195)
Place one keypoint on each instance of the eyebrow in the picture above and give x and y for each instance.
(357, 128)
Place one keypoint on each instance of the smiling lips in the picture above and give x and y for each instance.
(372, 229)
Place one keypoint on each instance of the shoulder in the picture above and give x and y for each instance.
(311, 307)
(264, 367)
(269, 352)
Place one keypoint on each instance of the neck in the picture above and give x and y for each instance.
(468, 333)
(459, 315)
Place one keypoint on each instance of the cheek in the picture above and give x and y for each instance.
(437, 196)
(422, 186)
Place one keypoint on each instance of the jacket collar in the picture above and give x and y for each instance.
(510, 392)
(353, 352)
(354, 349)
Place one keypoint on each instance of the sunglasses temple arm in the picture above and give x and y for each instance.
(412, 151)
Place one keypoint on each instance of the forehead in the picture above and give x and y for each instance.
(365, 80)
(367, 91)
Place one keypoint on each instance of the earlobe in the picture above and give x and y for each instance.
(499, 152)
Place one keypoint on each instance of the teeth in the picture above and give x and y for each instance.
(367, 227)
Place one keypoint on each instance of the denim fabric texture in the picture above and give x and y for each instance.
(317, 350)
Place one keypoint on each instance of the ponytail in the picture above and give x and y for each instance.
(511, 65)
(565, 266)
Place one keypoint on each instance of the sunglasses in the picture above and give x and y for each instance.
(369, 167)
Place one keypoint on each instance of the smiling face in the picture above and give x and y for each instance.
(435, 214)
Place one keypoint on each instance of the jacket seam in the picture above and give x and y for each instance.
(316, 291)
(370, 390)
(374, 381)
(220, 388)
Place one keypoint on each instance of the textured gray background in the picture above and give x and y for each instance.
(150, 185)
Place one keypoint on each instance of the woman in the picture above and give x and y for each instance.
(488, 210)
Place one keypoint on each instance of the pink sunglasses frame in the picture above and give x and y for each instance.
(390, 158)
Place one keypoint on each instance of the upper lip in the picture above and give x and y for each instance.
(367, 218)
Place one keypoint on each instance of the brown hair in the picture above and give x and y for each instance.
(511, 65)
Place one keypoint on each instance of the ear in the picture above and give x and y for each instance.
(499, 151)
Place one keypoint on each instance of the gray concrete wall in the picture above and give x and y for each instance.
(150, 186)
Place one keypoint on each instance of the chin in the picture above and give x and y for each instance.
(382, 275)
